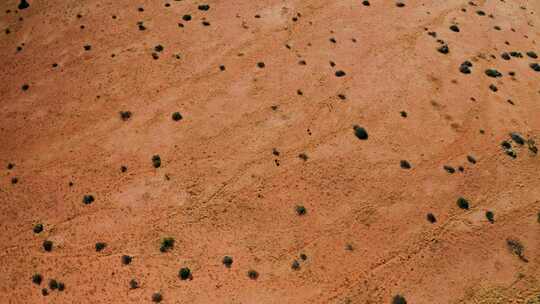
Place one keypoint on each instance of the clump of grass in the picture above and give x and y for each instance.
(48, 245)
(133, 284)
(303, 256)
(156, 161)
(227, 261)
(100, 246)
(490, 216)
(463, 203)
(253, 274)
(431, 218)
(38, 228)
(184, 273)
(157, 297)
(126, 259)
(517, 248)
(166, 244)
(300, 210)
(37, 279)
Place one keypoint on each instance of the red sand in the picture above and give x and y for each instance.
(219, 191)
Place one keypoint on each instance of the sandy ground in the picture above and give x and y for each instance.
(231, 174)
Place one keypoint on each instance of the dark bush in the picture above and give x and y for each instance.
(133, 284)
(295, 265)
(176, 116)
(38, 228)
(48, 245)
(100, 246)
(404, 164)
(156, 161)
(463, 203)
(399, 299)
(449, 169)
(300, 210)
(227, 261)
(166, 244)
(37, 279)
(253, 274)
(303, 256)
(431, 218)
(44, 292)
(125, 115)
(157, 297)
(53, 284)
(444, 49)
(126, 259)
(184, 273)
(61, 286)
(490, 216)
(360, 132)
(88, 199)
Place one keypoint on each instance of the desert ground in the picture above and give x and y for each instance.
(271, 151)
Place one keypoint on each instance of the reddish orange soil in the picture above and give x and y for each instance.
(257, 140)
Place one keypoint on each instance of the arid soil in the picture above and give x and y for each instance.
(270, 151)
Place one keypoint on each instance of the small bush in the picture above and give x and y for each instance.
(38, 228)
(227, 261)
(61, 286)
(100, 246)
(37, 279)
(53, 284)
(125, 115)
(300, 210)
(48, 245)
(490, 216)
(399, 299)
(184, 273)
(133, 284)
(126, 259)
(166, 244)
(303, 156)
(360, 132)
(157, 297)
(463, 203)
(253, 274)
(176, 116)
(88, 199)
(303, 256)
(404, 164)
(44, 292)
(156, 161)
(295, 265)
(431, 218)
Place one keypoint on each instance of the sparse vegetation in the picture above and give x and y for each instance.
(295, 265)
(431, 218)
(133, 284)
(53, 284)
(88, 199)
(516, 248)
(404, 164)
(360, 132)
